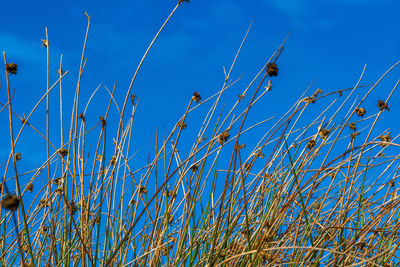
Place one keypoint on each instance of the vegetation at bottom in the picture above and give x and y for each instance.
(315, 186)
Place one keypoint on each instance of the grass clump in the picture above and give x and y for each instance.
(318, 186)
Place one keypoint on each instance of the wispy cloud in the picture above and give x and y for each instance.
(19, 48)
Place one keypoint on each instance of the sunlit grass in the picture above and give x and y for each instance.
(314, 186)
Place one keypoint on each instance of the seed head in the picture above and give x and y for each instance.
(194, 167)
(311, 144)
(10, 202)
(196, 95)
(223, 137)
(103, 121)
(324, 133)
(63, 152)
(272, 69)
(12, 68)
(360, 111)
(72, 207)
(383, 105)
(29, 187)
(385, 138)
(308, 100)
(353, 135)
(45, 42)
(17, 156)
(182, 124)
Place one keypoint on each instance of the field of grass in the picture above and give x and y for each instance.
(316, 186)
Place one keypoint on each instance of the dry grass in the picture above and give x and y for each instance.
(318, 186)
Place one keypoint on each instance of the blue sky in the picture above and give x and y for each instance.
(329, 43)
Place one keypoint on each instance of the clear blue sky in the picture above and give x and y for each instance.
(330, 41)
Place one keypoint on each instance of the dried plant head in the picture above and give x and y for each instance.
(223, 137)
(324, 133)
(194, 167)
(352, 126)
(317, 92)
(385, 138)
(360, 111)
(45, 43)
(10, 202)
(383, 105)
(196, 97)
(81, 116)
(11, 68)
(63, 152)
(133, 99)
(113, 160)
(142, 189)
(17, 156)
(308, 100)
(272, 69)
(354, 135)
(238, 146)
(103, 121)
(72, 208)
(311, 144)
(29, 187)
(182, 124)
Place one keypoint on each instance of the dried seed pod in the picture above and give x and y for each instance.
(170, 193)
(308, 100)
(247, 166)
(60, 71)
(385, 138)
(383, 105)
(259, 154)
(194, 167)
(113, 160)
(11, 68)
(311, 144)
(63, 152)
(352, 126)
(391, 183)
(324, 133)
(29, 187)
(223, 137)
(103, 121)
(196, 97)
(317, 92)
(10, 202)
(72, 207)
(238, 147)
(59, 191)
(81, 116)
(182, 124)
(142, 189)
(181, 1)
(241, 97)
(17, 156)
(353, 135)
(360, 111)
(133, 99)
(43, 203)
(272, 69)
(45, 42)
